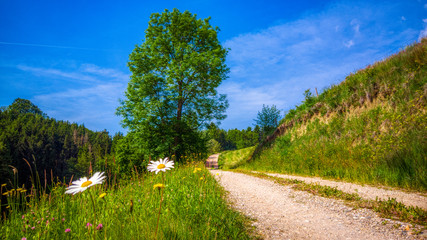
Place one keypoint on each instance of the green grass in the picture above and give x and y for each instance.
(371, 128)
(232, 159)
(193, 208)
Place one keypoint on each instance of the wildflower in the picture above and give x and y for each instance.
(102, 195)
(201, 178)
(197, 169)
(88, 225)
(67, 230)
(3, 185)
(99, 227)
(32, 228)
(83, 183)
(6, 193)
(63, 219)
(23, 216)
(158, 185)
(161, 165)
(24, 238)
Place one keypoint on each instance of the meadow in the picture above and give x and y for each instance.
(193, 207)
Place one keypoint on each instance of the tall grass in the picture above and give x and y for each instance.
(371, 128)
(193, 208)
(233, 159)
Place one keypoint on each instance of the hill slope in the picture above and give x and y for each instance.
(371, 128)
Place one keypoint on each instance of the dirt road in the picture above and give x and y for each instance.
(283, 213)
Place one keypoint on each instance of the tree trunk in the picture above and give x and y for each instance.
(178, 128)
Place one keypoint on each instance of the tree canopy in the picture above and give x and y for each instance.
(172, 91)
(268, 118)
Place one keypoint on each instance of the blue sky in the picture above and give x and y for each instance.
(69, 57)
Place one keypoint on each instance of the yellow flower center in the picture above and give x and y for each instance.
(87, 183)
(161, 166)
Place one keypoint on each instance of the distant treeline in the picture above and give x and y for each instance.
(31, 143)
(233, 139)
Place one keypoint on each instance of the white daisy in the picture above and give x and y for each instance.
(161, 165)
(82, 184)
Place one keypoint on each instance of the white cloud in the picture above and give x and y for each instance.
(57, 73)
(423, 32)
(356, 25)
(93, 103)
(348, 44)
(104, 72)
(94, 106)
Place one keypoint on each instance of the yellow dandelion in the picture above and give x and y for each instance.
(201, 178)
(158, 185)
(3, 185)
(102, 195)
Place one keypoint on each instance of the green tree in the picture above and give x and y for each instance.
(22, 106)
(268, 118)
(172, 91)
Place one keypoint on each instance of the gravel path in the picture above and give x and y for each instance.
(366, 192)
(283, 213)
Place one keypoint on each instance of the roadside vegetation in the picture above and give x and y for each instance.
(193, 208)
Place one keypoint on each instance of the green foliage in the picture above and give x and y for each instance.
(234, 138)
(172, 91)
(371, 128)
(213, 146)
(50, 148)
(193, 208)
(268, 119)
(22, 106)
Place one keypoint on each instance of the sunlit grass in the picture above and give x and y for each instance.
(193, 208)
(232, 159)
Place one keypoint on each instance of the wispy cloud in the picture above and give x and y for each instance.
(49, 72)
(423, 32)
(93, 103)
(275, 65)
(349, 43)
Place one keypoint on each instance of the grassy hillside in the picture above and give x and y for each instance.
(371, 128)
(232, 159)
